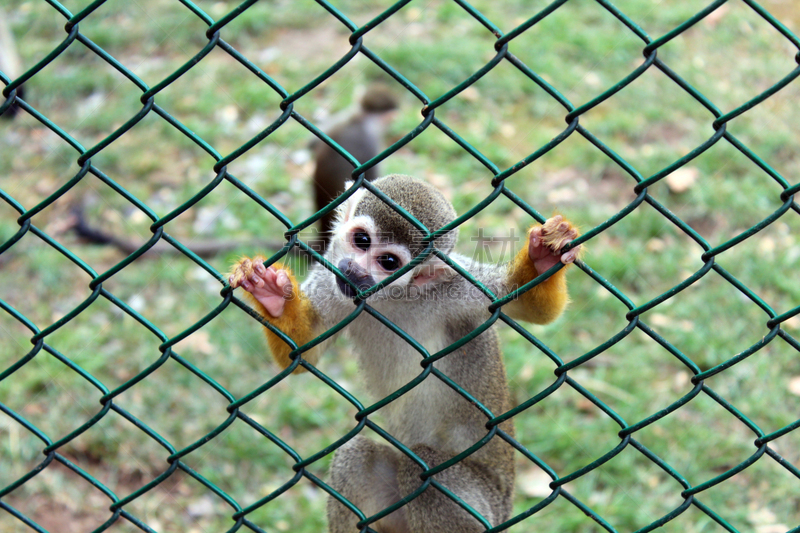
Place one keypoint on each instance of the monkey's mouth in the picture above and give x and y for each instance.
(356, 275)
(345, 289)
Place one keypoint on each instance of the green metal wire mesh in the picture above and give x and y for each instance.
(502, 182)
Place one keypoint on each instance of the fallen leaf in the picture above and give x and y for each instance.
(794, 385)
(560, 196)
(593, 80)
(413, 13)
(659, 320)
(471, 94)
(508, 130)
(527, 372)
(585, 405)
(766, 246)
(655, 245)
(199, 341)
(202, 507)
(681, 379)
(713, 18)
(682, 179)
(534, 483)
(772, 528)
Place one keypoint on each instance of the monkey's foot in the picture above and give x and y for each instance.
(270, 286)
(547, 242)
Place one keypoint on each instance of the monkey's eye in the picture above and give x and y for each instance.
(361, 240)
(389, 262)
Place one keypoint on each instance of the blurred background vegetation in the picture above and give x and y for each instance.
(730, 57)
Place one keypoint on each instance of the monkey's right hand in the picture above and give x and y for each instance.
(270, 286)
(546, 243)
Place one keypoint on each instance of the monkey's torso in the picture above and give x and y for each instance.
(431, 413)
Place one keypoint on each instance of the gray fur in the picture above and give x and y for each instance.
(424, 202)
(431, 419)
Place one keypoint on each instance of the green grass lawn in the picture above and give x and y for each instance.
(581, 50)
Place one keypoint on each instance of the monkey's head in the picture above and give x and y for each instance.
(378, 98)
(372, 241)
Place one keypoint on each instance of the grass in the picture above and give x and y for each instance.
(581, 50)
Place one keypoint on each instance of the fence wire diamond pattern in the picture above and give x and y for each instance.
(503, 185)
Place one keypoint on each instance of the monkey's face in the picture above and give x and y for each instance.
(371, 242)
(366, 256)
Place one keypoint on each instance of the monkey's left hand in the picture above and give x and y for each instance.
(547, 242)
(270, 286)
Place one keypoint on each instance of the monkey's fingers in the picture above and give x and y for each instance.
(239, 273)
(541, 243)
(557, 233)
(557, 242)
(270, 282)
(269, 286)
(551, 225)
(250, 272)
(569, 257)
(537, 249)
(284, 284)
(536, 237)
(267, 275)
(275, 287)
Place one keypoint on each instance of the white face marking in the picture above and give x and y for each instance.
(363, 243)
(353, 201)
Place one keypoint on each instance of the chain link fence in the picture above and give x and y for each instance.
(120, 505)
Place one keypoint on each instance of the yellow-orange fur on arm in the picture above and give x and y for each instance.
(299, 320)
(544, 302)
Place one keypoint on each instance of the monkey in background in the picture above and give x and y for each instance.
(362, 135)
(10, 63)
(436, 306)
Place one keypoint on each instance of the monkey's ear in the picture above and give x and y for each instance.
(432, 272)
(347, 208)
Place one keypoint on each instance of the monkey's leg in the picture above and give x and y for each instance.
(434, 512)
(365, 472)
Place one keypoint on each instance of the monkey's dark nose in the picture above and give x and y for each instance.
(357, 275)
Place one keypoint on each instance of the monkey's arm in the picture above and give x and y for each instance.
(546, 301)
(543, 249)
(276, 295)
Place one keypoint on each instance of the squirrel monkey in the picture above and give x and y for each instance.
(361, 135)
(437, 307)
